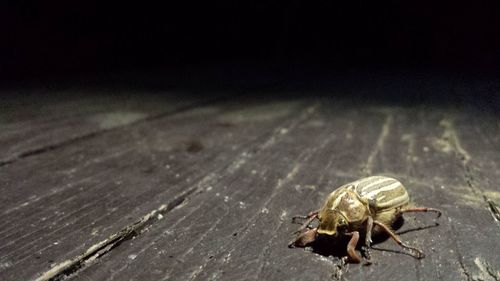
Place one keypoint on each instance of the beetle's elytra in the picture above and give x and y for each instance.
(363, 207)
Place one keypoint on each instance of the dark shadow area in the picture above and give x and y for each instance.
(368, 53)
(247, 46)
(337, 246)
(328, 246)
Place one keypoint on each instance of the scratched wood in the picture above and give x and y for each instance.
(478, 143)
(250, 221)
(34, 121)
(415, 144)
(72, 199)
(238, 171)
(426, 155)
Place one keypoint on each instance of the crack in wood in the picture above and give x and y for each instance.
(54, 146)
(451, 136)
(161, 236)
(6, 162)
(464, 269)
(69, 267)
(493, 208)
(486, 271)
(212, 178)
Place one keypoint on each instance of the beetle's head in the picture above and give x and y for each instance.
(332, 222)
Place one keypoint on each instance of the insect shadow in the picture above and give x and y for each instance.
(326, 246)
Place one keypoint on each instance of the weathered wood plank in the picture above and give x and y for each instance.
(413, 144)
(236, 176)
(33, 123)
(240, 229)
(72, 199)
(439, 173)
(477, 138)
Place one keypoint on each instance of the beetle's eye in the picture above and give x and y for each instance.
(342, 226)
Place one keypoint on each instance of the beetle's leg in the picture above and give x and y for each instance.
(421, 209)
(310, 217)
(313, 213)
(368, 239)
(306, 223)
(419, 254)
(351, 247)
(305, 238)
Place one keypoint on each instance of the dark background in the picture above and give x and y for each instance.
(65, 39)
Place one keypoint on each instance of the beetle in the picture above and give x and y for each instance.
(365, 207)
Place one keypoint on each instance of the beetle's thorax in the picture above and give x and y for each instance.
(342, 205)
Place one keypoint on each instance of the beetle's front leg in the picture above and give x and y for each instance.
(305, 238)
(310, 217)
(351, 247)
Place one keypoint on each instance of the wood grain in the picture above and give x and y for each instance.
(122, 175)
(208, 193)
(36, 122)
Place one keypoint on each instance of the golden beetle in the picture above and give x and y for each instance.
(366, 206)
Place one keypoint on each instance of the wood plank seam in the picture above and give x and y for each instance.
(66, 268)
(241, 160)
(69, 267)
(237, 163)
(51, 147)
(451, 137)
(464, 157)
(493, 208)
(306, 114)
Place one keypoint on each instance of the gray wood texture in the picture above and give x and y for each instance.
(206, 188)
(36, 122)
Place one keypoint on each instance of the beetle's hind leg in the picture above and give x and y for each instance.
(418, 253)
(421, 210)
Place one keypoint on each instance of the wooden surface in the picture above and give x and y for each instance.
(146, 186)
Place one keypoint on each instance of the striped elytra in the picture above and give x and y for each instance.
(387, 193)
(382, 192)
